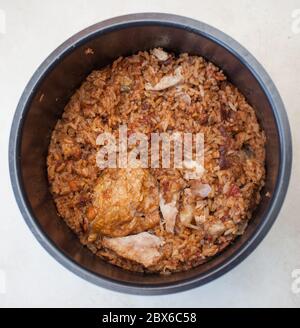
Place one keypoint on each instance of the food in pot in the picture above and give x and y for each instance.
(157, 219)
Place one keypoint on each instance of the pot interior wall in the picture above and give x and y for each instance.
(54, 91)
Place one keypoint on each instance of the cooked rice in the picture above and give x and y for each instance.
(200, 100)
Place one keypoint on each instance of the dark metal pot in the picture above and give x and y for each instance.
(47, 93)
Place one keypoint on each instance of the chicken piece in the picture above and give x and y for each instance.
(186, 214)
(160, 54)
(167, 81)
(126, 202)
(142, 248)
(200, 189)
(169, 212)
(184, 97)
(216, 229)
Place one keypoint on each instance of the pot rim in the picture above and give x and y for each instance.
(196, 27)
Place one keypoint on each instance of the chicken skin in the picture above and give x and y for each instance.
(126, 202)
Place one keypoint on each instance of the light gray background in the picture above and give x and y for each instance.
(31, 277)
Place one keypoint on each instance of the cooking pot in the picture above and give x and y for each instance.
(49, 90)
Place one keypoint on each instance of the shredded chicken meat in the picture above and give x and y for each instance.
(167, 81)
(142, 248)
(169, 212)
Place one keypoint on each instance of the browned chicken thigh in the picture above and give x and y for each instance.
(126, 202)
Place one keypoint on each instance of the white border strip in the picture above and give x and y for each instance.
(2, 281)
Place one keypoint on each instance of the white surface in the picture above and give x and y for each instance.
(31, 277)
